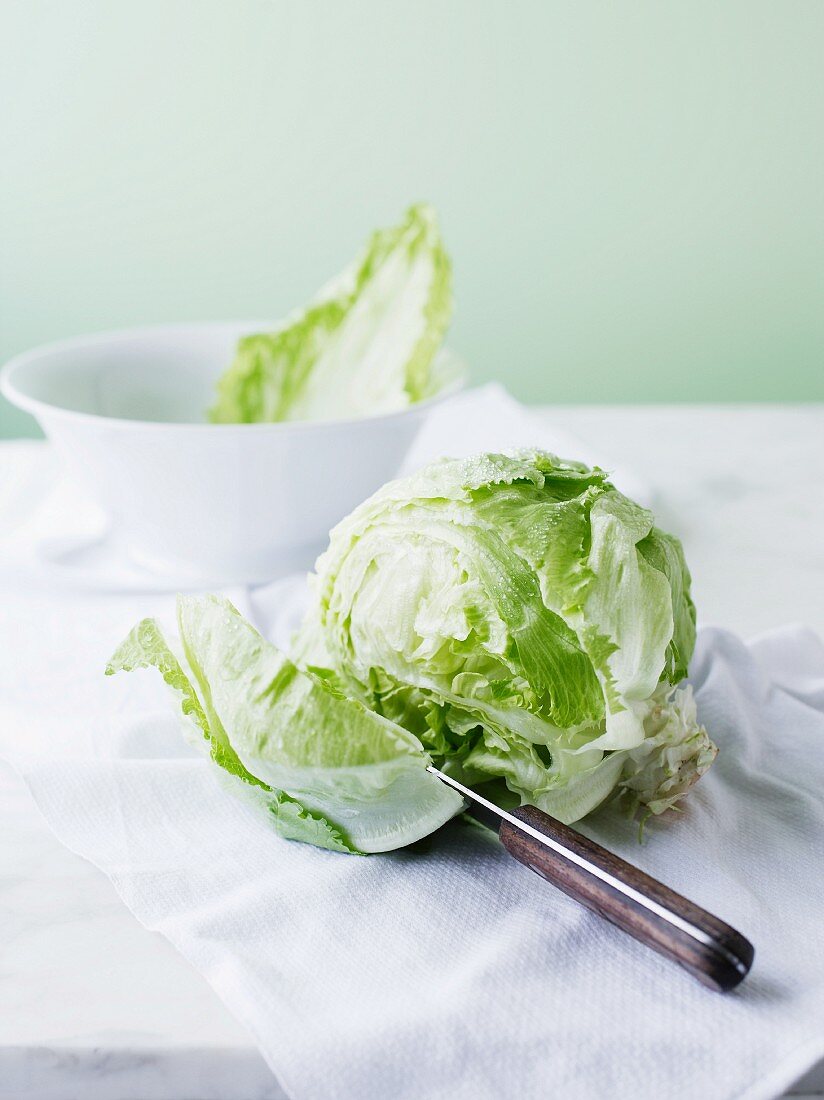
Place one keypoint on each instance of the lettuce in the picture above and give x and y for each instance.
(333, 773)
(512, 618)
(527, 622)
(367, 344)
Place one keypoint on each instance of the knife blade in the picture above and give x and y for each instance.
(709, 948)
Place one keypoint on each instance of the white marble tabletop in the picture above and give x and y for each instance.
(93, 1005)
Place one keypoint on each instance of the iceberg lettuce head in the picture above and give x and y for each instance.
(527, 622)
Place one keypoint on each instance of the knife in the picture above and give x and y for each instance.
(711, 950)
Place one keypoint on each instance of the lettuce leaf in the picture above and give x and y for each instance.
(337, 775)
(367, 344)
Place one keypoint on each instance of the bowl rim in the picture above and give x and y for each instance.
(37, 407)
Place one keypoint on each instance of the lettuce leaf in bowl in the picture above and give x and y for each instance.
(369, 343)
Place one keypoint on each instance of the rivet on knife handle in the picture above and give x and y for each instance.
(712, 951)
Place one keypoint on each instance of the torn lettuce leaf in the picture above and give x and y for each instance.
(145, 647)
(367, 344)
(339, 776)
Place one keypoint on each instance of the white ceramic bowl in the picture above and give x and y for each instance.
(207, 502)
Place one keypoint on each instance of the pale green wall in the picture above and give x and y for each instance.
(633, 192)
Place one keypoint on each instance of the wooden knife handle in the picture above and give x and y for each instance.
(713, 952)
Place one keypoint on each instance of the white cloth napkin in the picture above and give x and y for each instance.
(449, 971)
